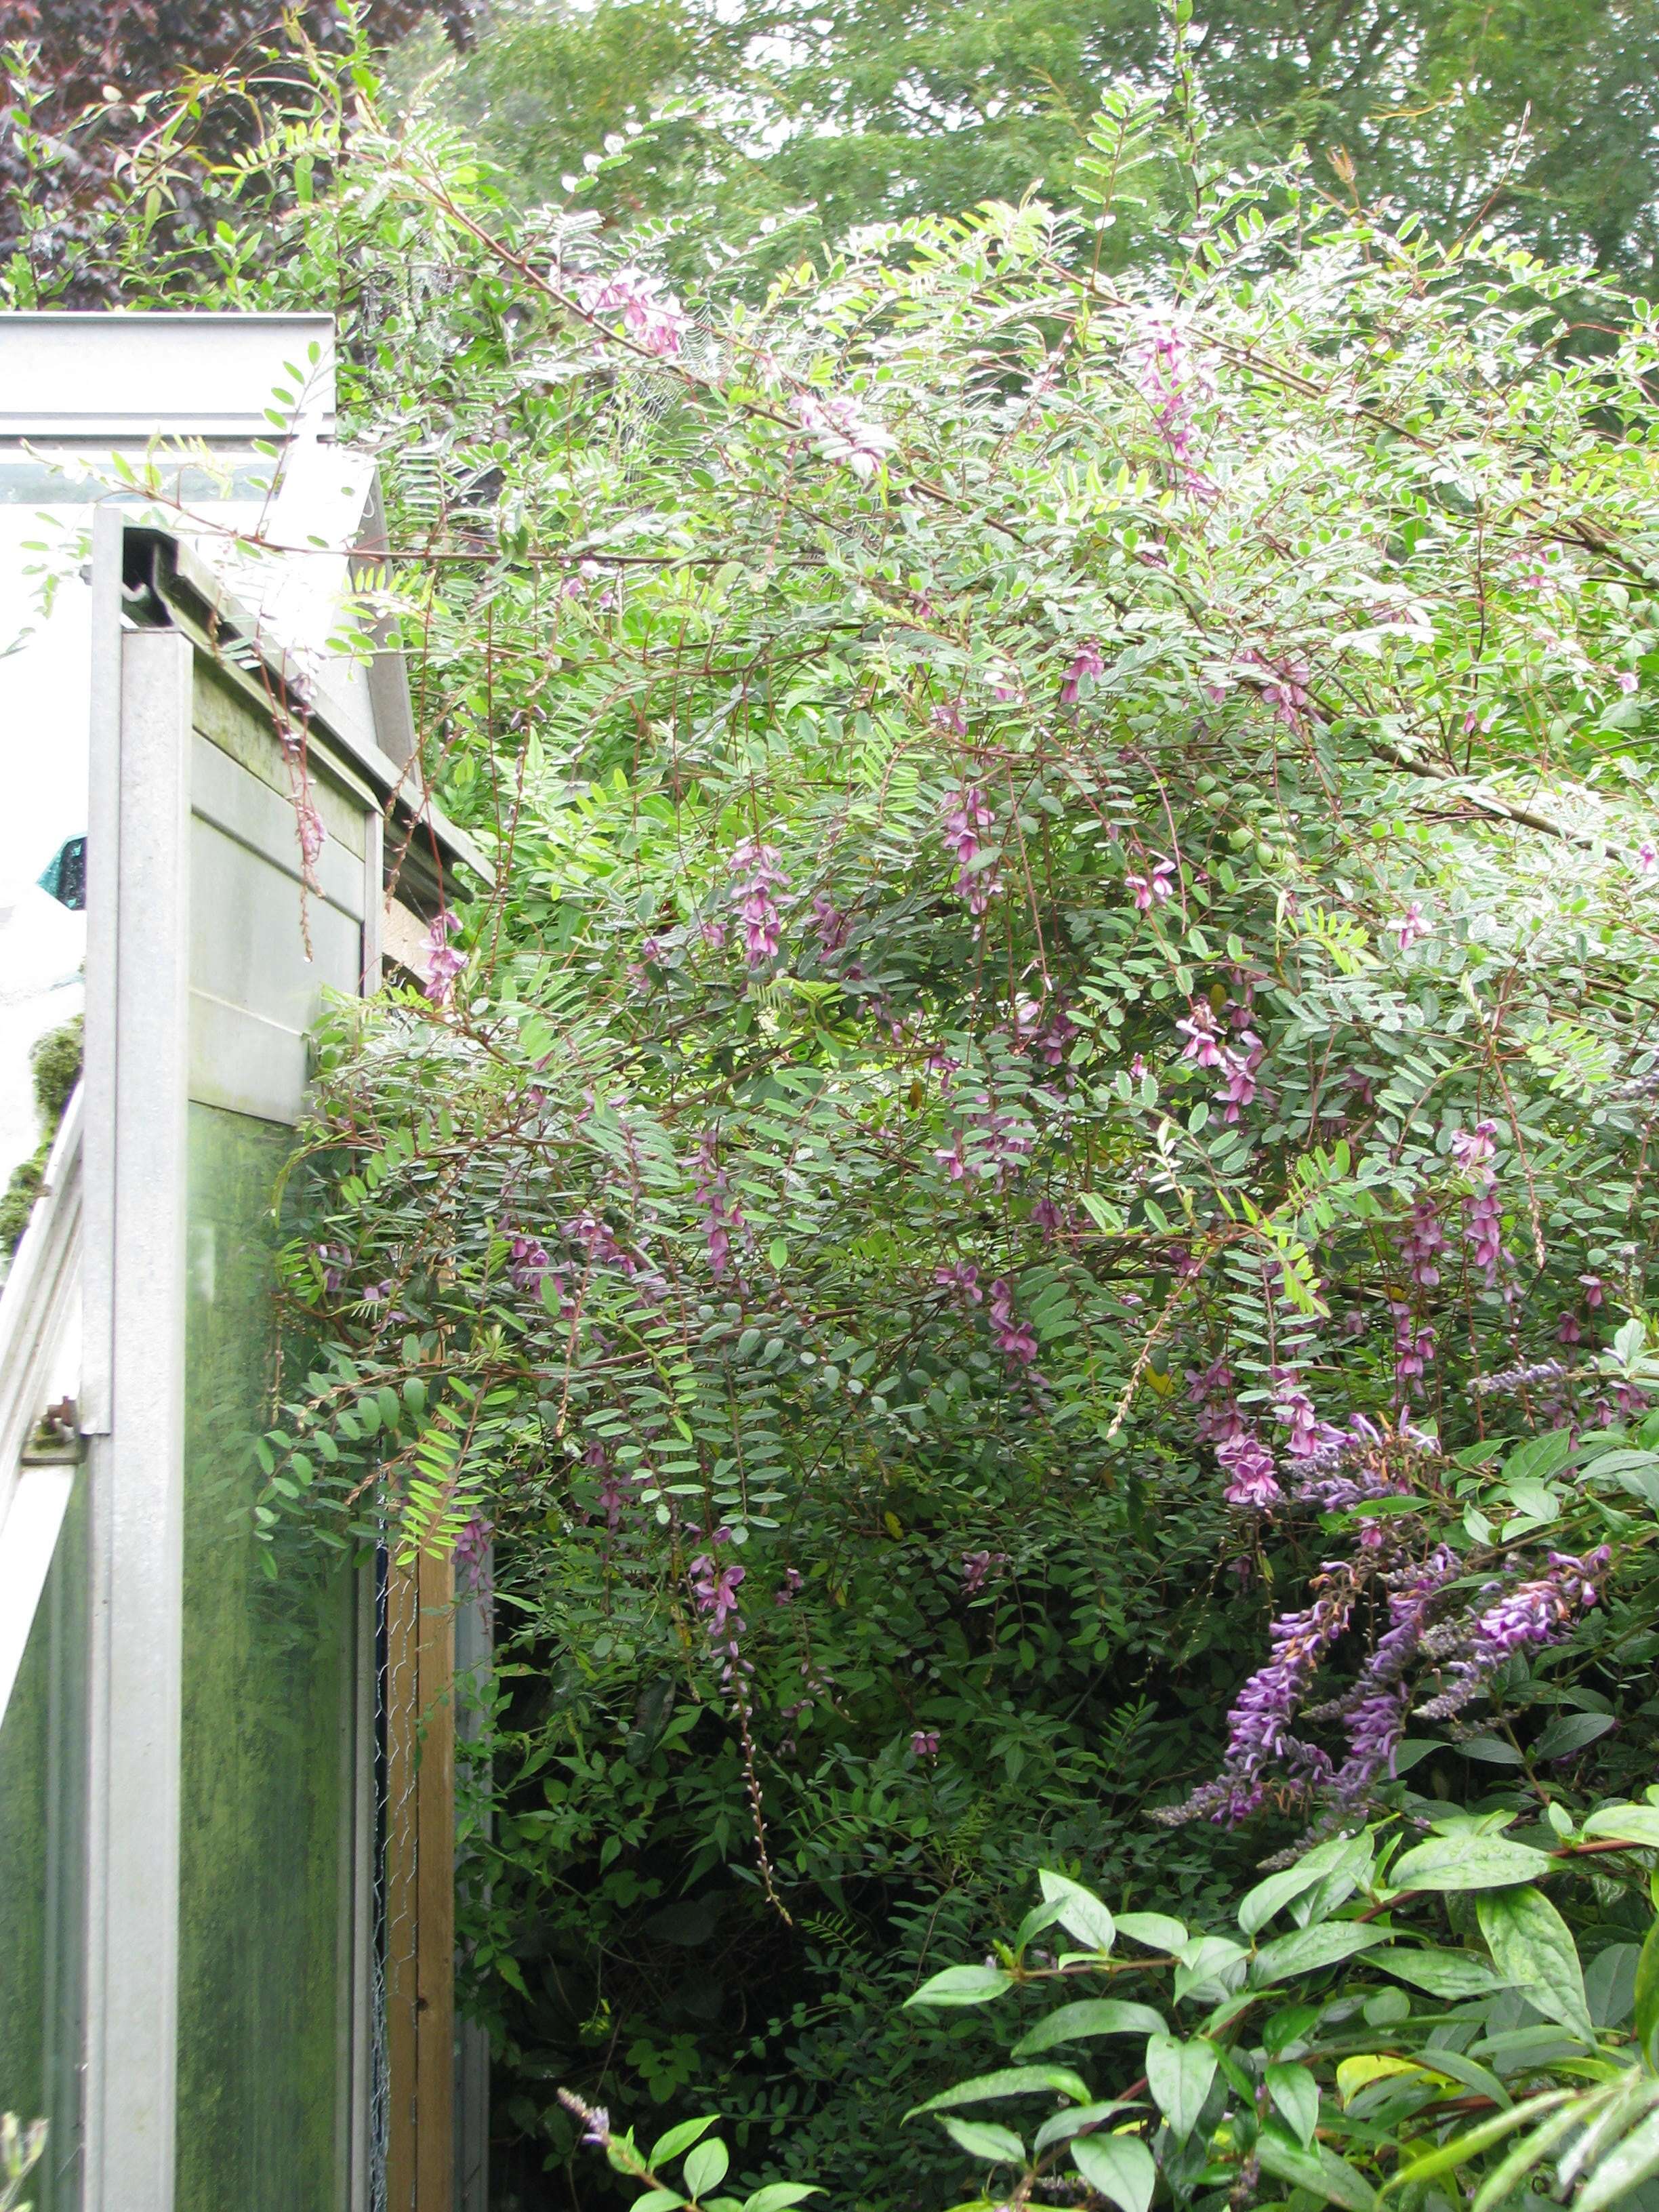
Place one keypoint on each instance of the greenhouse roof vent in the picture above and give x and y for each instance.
(68, 377)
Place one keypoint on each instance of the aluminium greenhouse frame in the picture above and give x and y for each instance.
(198, 1003)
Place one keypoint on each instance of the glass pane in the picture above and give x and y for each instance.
(43, 1752)
(265, 1877)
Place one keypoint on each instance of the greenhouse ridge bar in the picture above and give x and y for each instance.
(220, 1835)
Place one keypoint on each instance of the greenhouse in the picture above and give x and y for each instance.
(181, 1732)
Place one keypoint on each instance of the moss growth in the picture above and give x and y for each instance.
(56, 1060)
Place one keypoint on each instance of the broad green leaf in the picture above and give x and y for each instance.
(1571, 1733)
(1270, 1896)
(656, 2200)
(1309, 1948)
(1468, 1863)
(1179, 2075)
(1451, 1974)
(1295, 2094)
(1072, 2122)
(1155, 1929)
(1081, 1913)
(1319, 2170)
(779, 2196)
(1532, 1946)
(963, 1985)
(1489, 1751)
(1472, 2074)
(1008, 2082)
(1360, 2071)
(705, 2168)
(1206, 1958)
(681, 2138)
(1635, 1824)
(1090, 2017)
(1540, 1457)
(1610, 1983)
(981, 2139)
(1120, 2166)
(1647, 1997)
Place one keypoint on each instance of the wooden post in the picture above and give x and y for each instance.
(420, 1886)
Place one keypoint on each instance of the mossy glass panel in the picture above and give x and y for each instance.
(43, 1756)
(264, 1876)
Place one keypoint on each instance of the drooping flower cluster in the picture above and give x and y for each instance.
(1413, 1348)
(1172, 378)
(1153, 888)
(1259, 1733)
(1203, 1035)
(714, 1591)
(842, 433)
(1526, 1618)
(1211, 1389)
(1483, 1223)
(1085, 662)
(472, 1560)
(755, 876)
(1373, 1713)
(966, 820)
(651, 316)
(443, 963)
(1013, 1337)
(1421, 1242)
(721, 1213)
(1252, 1477)
(1240, 1062)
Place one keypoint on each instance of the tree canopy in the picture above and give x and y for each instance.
(1539, 118)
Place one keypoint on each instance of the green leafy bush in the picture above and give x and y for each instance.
(1061, 1069)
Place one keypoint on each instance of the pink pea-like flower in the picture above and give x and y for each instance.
(443, 963)
(1629, 681)
(1410, 927)
(924, 1743)
(1086, 661)
(1647, 857)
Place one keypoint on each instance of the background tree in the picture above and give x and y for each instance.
(1540, 117)
(91, 83)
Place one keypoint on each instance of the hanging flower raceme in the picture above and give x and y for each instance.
(1153, 888)
(1085, 662)
(651, 316)
(443, 963)
(721, 1213)
(1014, 1337)
(1252, 1478)
(842, 433)
(1472, 1150)
(1422, 1241)
(1525, 1618)
(1203, 1035)
(755, 876)
(1259, 1733)
(966, 818)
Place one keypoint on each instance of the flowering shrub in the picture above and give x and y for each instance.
(1048, 1130)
